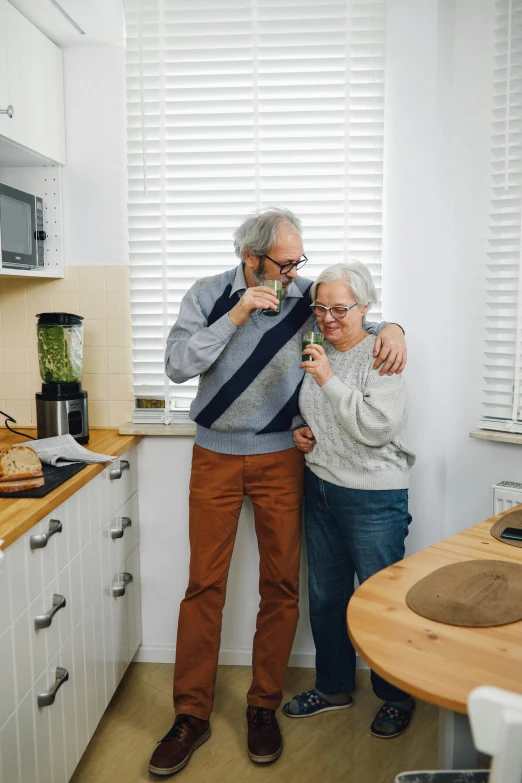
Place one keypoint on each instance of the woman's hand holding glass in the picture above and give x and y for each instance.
(320, 367)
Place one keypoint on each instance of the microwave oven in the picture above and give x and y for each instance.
(22, 233)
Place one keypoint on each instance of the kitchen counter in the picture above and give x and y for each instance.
(17, 515)
(176, 430)
(498, 436)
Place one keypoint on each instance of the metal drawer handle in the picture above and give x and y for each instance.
(117, 532)
(39, 540)
(45, 620)
(115, 473)
(46, 699)
(9, 111)
(119, 590)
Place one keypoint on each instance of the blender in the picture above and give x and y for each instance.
(61, 406)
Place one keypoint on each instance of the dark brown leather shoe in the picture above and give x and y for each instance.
(175, 749)
(265, 743)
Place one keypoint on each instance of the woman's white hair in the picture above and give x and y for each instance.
(355, 275)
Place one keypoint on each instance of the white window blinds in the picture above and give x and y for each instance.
(234, 105)
(502, 401)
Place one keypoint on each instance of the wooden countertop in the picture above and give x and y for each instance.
(177, 430)
(18, 515)
(438, 663)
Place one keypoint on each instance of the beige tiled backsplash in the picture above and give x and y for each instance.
(101, 295)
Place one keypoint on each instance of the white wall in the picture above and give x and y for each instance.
(439, 61)
(472, 466)
(416, 260)
(436, 196)
(164, 471)
(95, 178)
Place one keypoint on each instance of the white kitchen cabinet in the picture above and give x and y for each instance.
(56, 716)
(7, 676)
(79, 682)
(31, 80)
(9, 750)
(42, 724)
(90, 671)
(93, 636)
(68, 704)
(25, 717)
(99, 658)
(5, 122)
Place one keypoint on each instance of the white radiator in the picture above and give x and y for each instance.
(506, 494)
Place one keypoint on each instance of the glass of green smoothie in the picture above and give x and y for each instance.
(310, 338)
(277, 288)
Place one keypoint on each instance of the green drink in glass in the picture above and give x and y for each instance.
(277, 287)
(310, 338)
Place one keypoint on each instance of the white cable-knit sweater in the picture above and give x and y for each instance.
(357, 418)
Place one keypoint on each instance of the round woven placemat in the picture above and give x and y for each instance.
(475, 593)
(513, 519)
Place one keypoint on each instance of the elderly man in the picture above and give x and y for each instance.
(245, 410)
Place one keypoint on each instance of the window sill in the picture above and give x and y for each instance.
(177, 430)
(499, 437)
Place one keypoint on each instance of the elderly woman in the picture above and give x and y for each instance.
(356, 487)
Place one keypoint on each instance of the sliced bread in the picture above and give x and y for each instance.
(19, 462)
(21, 485)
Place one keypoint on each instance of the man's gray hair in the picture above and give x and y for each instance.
(355, 275)
(259, 231)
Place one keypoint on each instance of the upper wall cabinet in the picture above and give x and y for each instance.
(31, 81)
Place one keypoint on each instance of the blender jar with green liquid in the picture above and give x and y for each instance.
(60, 347)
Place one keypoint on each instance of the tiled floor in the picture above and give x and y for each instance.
(333, 748)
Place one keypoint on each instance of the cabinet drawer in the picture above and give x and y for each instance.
(22, 635)
(121, 477)
(98, 502)
(121, 536)
(79, 683)
(137, 601)
(9, 751)
(7, 676)
(25, 718)
(135, 516)
(45, 642)
(91, 556)
(90, 671)
(47, 547)
(55, 711)
(42, 722)
(70, 738)
(99, 658)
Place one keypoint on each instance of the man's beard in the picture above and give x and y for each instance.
(259, 276)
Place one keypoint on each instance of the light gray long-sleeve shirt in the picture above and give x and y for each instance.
(357, 418)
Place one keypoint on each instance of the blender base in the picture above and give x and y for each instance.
(61, 409)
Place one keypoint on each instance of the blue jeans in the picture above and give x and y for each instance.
(348, 532)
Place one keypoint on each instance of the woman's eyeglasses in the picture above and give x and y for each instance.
(336, 312)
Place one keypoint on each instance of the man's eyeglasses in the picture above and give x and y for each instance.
(284, 268)
(336, 312)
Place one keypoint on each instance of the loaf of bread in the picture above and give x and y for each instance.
(19, 462)
(21, 485)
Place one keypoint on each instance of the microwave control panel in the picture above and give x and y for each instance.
(40, 234)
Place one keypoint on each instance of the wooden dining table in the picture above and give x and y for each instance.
(438, 663)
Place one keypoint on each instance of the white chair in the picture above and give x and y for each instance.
(496, 724)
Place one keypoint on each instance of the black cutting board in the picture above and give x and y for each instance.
(53, 478)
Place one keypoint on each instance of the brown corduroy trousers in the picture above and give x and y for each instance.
(274, 484)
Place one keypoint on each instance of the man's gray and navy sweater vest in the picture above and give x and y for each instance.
(247, 400)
